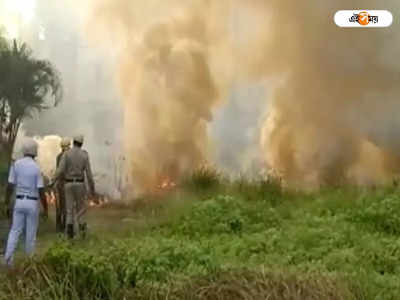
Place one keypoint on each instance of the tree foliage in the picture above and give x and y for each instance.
(27, 85)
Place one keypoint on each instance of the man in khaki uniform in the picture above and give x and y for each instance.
(60, 190)
(73, 167)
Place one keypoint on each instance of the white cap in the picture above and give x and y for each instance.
(78, 138)
(30, 147)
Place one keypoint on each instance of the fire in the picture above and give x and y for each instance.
(100, 201)
(167, 184)
(51, 198)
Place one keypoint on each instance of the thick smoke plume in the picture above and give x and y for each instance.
(330, 118)
(168, 88)
(331, 91)
(48, 149)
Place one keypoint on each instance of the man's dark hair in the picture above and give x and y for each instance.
(77, 144)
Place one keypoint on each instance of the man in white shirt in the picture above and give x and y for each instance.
(25, 177)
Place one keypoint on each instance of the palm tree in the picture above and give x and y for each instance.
(27, 85)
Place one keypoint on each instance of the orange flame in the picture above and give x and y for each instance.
(101, 202)
(166, 184)
(51, 198)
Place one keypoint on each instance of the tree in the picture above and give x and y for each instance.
(27, 85)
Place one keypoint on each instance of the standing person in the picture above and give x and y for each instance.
(25, 177)
(74, 166)
(60, 190)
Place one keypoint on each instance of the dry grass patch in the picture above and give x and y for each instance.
(249, 285)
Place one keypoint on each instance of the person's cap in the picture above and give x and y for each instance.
(30, 147)
(78, 139)
(65, 142)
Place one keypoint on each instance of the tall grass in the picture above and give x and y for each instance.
(234, 240)
(236, 284)
(204, 180)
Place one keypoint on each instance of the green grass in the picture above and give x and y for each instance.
(215, 239)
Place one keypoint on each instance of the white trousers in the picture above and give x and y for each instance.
(25, 218)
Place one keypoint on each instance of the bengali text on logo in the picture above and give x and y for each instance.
(363, 18)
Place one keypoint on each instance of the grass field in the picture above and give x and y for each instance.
(214, 239)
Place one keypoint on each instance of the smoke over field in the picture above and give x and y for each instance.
(167, 82)
(246, 85)
(331, 91)
(335, 95)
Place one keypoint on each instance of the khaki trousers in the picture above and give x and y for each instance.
(76, 204)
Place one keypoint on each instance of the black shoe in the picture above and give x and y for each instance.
(70, 231)
(83, 230)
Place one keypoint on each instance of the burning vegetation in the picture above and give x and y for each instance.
(177, 62)
(328, 115)
(96, 201)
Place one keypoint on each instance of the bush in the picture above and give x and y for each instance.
(203, 179)
(381, 215)
(3, 171)
(262, 189)
(338, 244)
(225, 214)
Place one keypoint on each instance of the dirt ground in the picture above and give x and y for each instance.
(102, 222)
